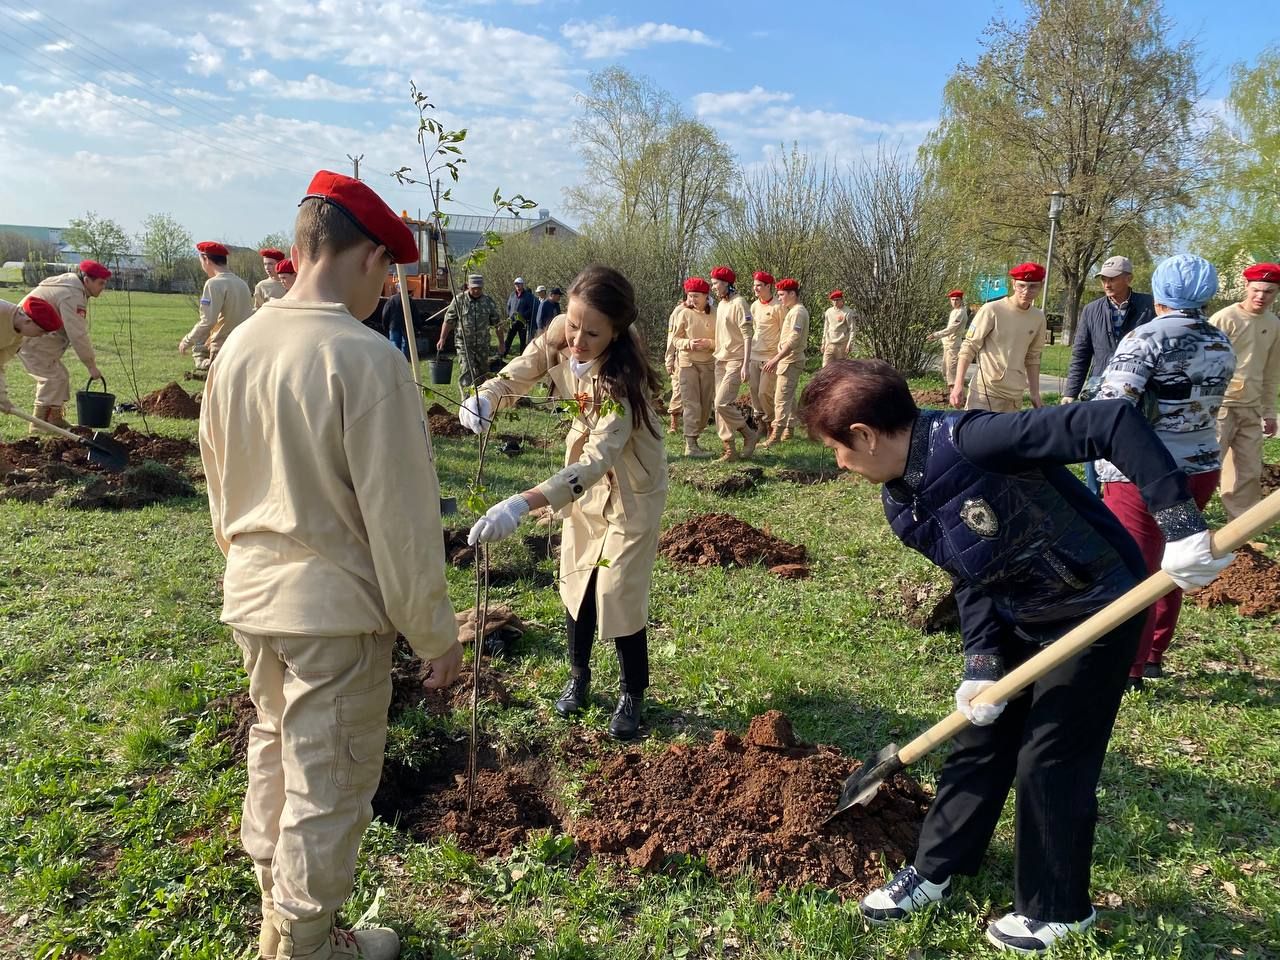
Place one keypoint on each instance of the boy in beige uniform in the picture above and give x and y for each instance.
(271, 288)
(767, 314)
(1006, 339)
(693, 337)
(69, 293)
(837, 329)
(323, 495)
(1249, 406)
(789, 360)
(950, 335)
(676, 408)
(224, 304)
(20, 323)
(734, 332)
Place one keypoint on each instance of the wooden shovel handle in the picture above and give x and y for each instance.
(1240, 530)
(46, 426)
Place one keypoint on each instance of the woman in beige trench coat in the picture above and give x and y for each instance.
(613, 487)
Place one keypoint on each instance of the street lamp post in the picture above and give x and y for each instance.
(1055, 211)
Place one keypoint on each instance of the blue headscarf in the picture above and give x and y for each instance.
(1184, 282)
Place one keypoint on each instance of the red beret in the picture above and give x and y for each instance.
(94, 270)
(212, 248)
(835, 295)
(724, 273)
(1263, 272)
(786, 283)
(286, 266)
(271, 253)
(696, 285)
(367, 211)
(1030, 272)
(762, 276)
(43, 313)
(956, 293)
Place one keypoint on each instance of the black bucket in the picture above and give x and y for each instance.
(442, 370)
(94, 409)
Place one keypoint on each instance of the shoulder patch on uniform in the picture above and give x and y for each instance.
(205, 300)
(980, 518)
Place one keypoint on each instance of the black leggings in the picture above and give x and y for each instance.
(633, 649)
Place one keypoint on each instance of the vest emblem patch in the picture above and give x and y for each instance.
(980, 518)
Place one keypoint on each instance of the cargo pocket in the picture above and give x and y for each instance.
(362, 736)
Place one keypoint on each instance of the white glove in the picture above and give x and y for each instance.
(499, 522)
(475, 414)
(1190, 562)
(979, 714)
(1066, 399)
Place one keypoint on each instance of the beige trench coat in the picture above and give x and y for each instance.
(610, 494)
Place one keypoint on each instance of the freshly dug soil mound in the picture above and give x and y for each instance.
(408, 671)
(171, 401)
(754, 803)
(447, 425)
(932, 398)
(739, 481)
(140, 485)
(929, 607)
(236, 714)
(720, 539)
(1270, 477)
(456, 549)
(1252, 582)
(807, 477)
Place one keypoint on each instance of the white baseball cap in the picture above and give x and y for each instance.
(1114, 266)
(520, 280)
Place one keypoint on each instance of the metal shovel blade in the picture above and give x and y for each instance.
(107, 453)
(865, 781)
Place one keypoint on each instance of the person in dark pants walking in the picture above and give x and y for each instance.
(1103, 323)
(393, 317)
(987, 497)
(520, 307)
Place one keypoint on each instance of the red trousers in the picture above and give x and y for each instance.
(1127, 504)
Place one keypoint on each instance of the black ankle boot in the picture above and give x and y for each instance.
(574, 696)
(625, 722)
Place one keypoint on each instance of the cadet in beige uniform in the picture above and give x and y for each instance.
(224, 304)
(1249, 407)
(1005, 339)
(789, 360)
(734, 333)
(323, 496)
(676, 408)
(270, 288)
(20, 323)
(286, 274)
(837, 329)
(69, 293)
(612, 490)
(950, 335)
(767, 314)
(693, 336)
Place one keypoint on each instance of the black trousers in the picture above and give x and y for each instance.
(518, 329)
(633, 649)
(1049, 743)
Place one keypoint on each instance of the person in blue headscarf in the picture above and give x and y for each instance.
(1176, 368)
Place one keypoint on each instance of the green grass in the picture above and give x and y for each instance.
(119, 813)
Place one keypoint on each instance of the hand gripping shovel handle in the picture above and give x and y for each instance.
(861, 786)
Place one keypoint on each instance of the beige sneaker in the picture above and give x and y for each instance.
(269, 936)
(319, 939)
(691, 449)
(749, 439)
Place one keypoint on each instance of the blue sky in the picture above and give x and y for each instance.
(218, 114)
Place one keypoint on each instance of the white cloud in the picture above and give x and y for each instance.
(313, 87)
(743, 101)
(194, 94)
(57, 47)
(603, 38)
(204, 59)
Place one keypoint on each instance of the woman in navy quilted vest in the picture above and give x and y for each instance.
(1032, 553)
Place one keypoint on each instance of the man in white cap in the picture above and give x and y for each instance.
(520, 307)
(473, 313)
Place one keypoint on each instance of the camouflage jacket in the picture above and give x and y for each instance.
(472, 317)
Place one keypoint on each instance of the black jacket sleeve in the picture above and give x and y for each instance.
(980, 626)
(1081, 353)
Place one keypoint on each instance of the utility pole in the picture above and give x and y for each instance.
(355, 162)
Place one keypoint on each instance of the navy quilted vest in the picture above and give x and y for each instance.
(1011, 534)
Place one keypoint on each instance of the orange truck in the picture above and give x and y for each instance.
(428, 281)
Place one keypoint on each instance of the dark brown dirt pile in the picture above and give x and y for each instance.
(932, 398)
(456, 549)
(408, 672)
(929, 607)
(754, 803)
(1270, 477)
(1252, 582)
(720, 539)
(738, 481)
(171, 401)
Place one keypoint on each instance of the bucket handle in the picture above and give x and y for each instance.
(89, 384)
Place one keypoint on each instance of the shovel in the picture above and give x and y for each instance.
(863, 784)
(105, 452)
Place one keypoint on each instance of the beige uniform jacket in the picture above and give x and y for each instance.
(693, 325)
(610, 494)
(795, 336)
(767, 319)
(1256, 341)
(734, 329)
(66, 293)
(837, 328)
(267, 289)
(10, 343)
(322, 483)
(671, 354)
(224, 305)
(1006, 344)
(950, 334)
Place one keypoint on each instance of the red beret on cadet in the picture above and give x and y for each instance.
(786, 283)
(762, 276)
(212, 248)
(1263, 272)
(1030, 272)
(43, 313)
(271, 253)
(696, 285)
(835, 295)
(367, 211)
(286, 266)
(94, 270)
(724, 273)
(956, 293)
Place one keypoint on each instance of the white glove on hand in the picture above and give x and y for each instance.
(499, 522)
(979, 714)
(475, 414)
(1066, 399)
(1190, 562)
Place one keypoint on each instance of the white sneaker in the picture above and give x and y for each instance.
(1021, 934)
(907, 891)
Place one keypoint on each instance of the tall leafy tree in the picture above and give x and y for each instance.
(98, 238)
(165, 243)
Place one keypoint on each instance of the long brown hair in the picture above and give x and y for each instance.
(627, 374)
